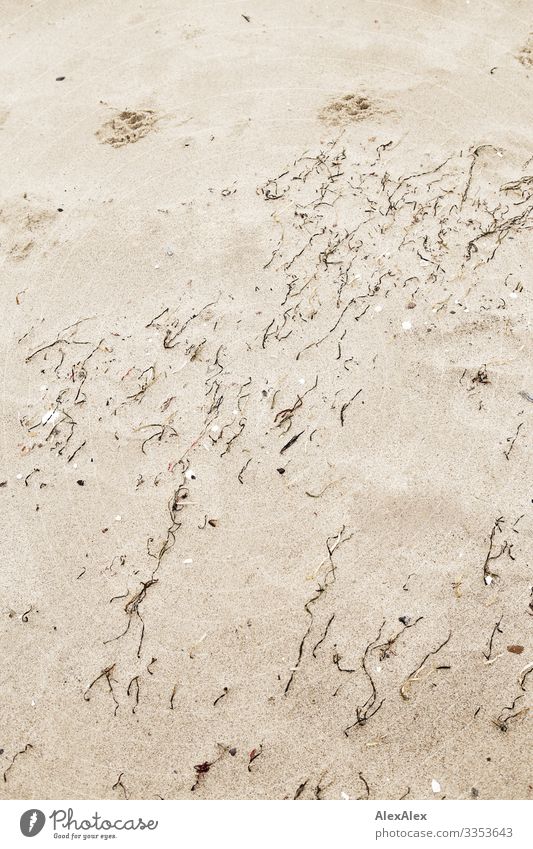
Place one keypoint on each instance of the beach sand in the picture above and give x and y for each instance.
(267, 398)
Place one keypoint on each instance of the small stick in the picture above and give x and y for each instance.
(15, 756)
(411, 677)
(496, 630)
(222, 695)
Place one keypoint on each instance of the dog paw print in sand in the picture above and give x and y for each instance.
(24, 224)
(525, 56)
(347, 109)
(127, 127)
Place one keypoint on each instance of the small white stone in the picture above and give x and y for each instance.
(435, 786)
(344, 796)
(488, 580)
(189, 474)
(378, 307)
(44, 387)
(118, 518)
(19, 477)
(188, 561)
(513, 295)
(301, 380)
(215, 428)
(406, 325)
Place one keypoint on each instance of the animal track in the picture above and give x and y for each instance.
(23, 224)
(347, 109)
(525, 57)
(127, 127)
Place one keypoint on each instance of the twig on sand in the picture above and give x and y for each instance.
(14, 758)
(367, 710)
(404, 689)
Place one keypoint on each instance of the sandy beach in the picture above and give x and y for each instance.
(267, 400)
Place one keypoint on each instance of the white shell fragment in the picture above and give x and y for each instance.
(50, 417)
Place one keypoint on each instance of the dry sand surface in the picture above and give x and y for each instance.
(267, 399)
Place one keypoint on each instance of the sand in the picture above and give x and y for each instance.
(266, 467)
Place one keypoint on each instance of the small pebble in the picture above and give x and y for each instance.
(118, 518)
(435, 786)
(406, 325)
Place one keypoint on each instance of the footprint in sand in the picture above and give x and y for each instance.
(347, 109)
(127, 127)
